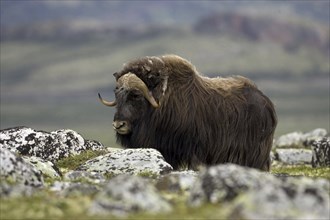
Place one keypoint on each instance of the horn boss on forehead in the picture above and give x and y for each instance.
(131, 81)
(200, 120)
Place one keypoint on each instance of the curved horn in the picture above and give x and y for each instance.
(107, 103)
(130, 80)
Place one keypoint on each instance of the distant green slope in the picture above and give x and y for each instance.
(62, 67)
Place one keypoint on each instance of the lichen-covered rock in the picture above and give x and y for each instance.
(90, 177)
(16, 190)
(300, 139)
(225, 182)
(47, 168)
(14, 169)
(74, 188)
(295, 198)
(177, 182)
(256, 195)
(131, 161)
(294, 156)
(321, 153)
(125, 194)
(292, 139)
(48, 146)
(316, 134)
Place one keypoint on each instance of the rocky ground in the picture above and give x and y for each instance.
(61, 175)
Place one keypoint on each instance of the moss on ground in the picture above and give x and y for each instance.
(302, 170)
(54, 207)
(73, 162)
(45, 205)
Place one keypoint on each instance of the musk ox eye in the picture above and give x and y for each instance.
(118, 89)
(134, 95)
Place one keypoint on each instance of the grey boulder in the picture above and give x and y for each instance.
(130, 161)
(257, 195)
(291, 198)
(48, 146)
(127, 194)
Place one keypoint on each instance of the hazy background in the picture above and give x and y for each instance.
(57, 55)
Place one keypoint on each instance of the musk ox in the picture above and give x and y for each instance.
(164, 103)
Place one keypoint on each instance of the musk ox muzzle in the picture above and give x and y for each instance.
(121, 127)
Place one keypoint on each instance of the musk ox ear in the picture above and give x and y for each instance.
(116, 75)
(164, 87)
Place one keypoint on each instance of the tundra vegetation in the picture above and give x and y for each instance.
(57, 199)
(48, 205)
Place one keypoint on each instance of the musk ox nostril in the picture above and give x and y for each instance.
(121, 127)
(119, 124)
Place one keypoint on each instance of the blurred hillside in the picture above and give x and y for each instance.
(56, 55)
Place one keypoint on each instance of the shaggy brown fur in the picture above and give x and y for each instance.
(200, 120)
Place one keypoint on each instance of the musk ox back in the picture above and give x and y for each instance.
(164, 103)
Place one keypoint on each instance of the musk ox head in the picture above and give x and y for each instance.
(141, 87)
(132, 99)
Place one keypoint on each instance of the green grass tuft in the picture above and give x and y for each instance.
(73, 162)
(303, 170)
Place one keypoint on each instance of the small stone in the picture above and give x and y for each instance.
(321, 153)
(74, 189)
(177, 182)
(294, 156)
(294, 139)
(92, 177)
